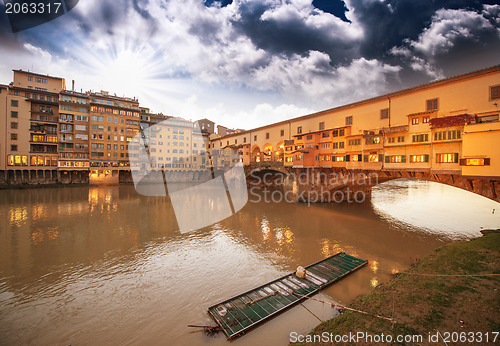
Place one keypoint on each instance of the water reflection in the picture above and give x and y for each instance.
(105, 265)
(435, 208)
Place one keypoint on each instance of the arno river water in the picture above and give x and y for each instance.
(105, 266)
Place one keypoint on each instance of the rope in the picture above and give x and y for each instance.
(312, 313)
(347, 308)
(425, 274)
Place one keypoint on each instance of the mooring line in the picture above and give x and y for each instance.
(312, 313)
(392, 320)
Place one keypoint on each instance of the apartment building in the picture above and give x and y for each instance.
(114, 121)
(176, 144)
(31, 125)
(74, 116)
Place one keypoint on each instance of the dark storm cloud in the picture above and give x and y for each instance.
(388, 23)
(292, 35)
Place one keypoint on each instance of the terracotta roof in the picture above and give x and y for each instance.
(454, 120)
(421, 113)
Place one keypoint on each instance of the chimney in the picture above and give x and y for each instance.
(73, 85)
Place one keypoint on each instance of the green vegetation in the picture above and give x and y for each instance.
(442, 292)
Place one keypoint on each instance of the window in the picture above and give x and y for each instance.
(30, 78)
(384, 113)
(414, 121)
(254, 138)
(38, 138)
(424, 137)
(432, 104)
(356, 141)
(13, 114)
(244, 139)
(425, 120)
(267, 135)
(13, 125)
(13, 147)
(348, 120)
(444, 135)
(488, 118)
(282, 133)
(475, 161)
(447, 158)
(16, 93)
(326, 145)
(419, 158)
(401, 139)
(325, 135)
(14, 103)
(82, 137)
(341, 132)
(335, 133)
(322, 125)
(13, 136)
(395, 159)
(391, 139)
(299, 129)
(495, 92)
(372, 140)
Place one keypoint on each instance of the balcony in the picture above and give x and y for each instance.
(394, 129)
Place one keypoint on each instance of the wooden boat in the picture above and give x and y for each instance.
(238, 314)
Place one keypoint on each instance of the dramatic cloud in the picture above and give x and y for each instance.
(236, 56)
(453, 33)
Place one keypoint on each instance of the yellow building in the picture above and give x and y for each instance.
(114, 121)
(449, 125)
(74, 114)
(30, 131)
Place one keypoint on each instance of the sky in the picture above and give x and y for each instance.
(248, 63)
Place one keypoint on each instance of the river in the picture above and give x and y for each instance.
(104, 265)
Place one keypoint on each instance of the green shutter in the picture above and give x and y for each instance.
(456, 158)
(437, 155)
(387, 159)
(380, 157)
(403, 158)
(426, 158)
(360, 157)
(365, 158)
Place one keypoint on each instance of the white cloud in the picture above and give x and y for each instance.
(446, 27)
(313, 77)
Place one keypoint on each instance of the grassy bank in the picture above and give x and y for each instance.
(439, 293)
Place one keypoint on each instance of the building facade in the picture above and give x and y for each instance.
(451, 125)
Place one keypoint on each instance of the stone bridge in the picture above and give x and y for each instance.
(320, 184)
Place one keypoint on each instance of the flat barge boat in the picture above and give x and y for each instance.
(236, 315)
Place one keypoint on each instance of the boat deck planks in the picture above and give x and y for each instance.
(238, 314)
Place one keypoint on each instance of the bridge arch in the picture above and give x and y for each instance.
(255, 153)
(320, 183)
(267, 152)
